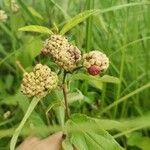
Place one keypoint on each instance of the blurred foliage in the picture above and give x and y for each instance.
(118, 28)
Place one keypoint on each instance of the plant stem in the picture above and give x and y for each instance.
(64, 86)
(20, 66)
(102, 104)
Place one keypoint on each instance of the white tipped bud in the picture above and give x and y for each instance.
(3, 16)
(14, 6)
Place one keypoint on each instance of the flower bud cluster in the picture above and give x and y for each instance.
(39, 82)
(14, 6)
(64, 54)
(96, 62)
(3, 16)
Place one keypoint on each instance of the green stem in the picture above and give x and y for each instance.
(65, 95)
(102, 104)
(120, 84)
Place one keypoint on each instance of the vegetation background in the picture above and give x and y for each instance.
(123, 33)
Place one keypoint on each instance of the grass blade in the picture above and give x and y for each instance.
(59, 7)
(126, 97)
(27, 11)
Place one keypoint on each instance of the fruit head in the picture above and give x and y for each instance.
(95, 62)
(64, 54)
(39, 82)
(94, 70)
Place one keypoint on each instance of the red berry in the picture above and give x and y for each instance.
(94, 70)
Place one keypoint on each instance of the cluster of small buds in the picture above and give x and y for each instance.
(95, 62)
(14, 6)
(39, 82)
(7, 114)
(65, 54)
(3, 16)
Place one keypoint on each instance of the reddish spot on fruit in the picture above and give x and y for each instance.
(94, 70)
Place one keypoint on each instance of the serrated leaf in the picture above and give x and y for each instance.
(36, 28)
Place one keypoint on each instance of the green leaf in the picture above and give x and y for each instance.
(57, 96)
(76, 20)
(84, 15)
(61, 9)
(29, 50)
(75, 96)
(36, 28)
(95, 81)
(110, 79)
(35, 118)
(66, 145)
(25, 9)
(35, 13)
(100, 23)
(142, 142)
(10, 100)
(91, 138)
(31, 107)
(6, 132)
